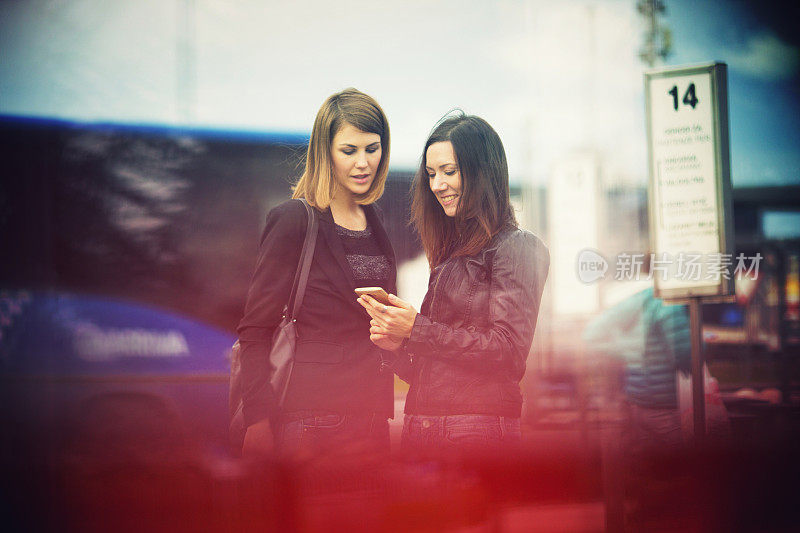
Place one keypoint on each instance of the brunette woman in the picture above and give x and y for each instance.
(468, 345)
(337, 394)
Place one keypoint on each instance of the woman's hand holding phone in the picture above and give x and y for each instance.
(381, 340)
(394, 320)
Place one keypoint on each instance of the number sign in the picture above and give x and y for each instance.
(689, 188)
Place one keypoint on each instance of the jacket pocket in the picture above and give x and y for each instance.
(319, 352)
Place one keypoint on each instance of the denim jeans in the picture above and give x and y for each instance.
(472, 433)
(319, 433)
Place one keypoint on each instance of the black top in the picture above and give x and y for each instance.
(336, 368)
(370, 266)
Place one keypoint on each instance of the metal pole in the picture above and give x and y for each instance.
(698, 388)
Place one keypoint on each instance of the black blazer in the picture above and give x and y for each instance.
(337, 368)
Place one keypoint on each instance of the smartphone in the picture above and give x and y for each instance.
(376, 292)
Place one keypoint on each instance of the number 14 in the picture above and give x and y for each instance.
(689, 97)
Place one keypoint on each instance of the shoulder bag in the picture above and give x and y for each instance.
(281, 355)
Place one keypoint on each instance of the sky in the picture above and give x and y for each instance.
(759, 42)
(555, 79)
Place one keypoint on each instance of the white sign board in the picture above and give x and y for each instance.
(689, 189)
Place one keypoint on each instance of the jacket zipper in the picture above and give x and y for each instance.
(436, 285)
(433, 299)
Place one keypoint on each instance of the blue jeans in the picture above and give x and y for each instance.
(317, 433)
(472, 433)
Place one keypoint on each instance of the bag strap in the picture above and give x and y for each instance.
(304, 265)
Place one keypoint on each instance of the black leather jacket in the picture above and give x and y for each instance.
(469, 343)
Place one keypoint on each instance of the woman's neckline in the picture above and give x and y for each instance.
(351, 230)
(352, 215)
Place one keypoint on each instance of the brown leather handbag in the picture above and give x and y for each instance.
(284, 340)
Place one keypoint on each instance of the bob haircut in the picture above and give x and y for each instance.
(484, 207)
(350, 106)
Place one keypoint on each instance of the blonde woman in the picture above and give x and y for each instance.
(338, 395)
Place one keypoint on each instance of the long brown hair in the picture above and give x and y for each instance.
(484, 206)
(350, 106)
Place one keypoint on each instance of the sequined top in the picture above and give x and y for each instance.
(369, 265)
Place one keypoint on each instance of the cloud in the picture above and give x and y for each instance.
(581, 84)
(766, 56)
(550, 77)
